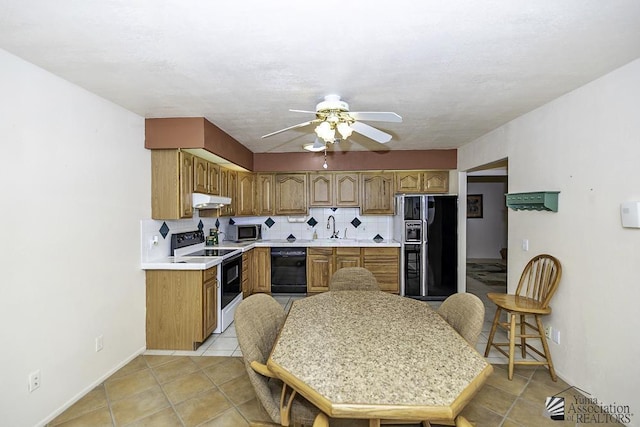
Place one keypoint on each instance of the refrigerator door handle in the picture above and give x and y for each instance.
(425, 227)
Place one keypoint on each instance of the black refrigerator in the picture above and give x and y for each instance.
(428, 229)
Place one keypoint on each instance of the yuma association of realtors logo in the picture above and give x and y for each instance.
(588, 410)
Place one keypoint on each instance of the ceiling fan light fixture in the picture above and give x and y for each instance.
(326, 132)
(344, 129)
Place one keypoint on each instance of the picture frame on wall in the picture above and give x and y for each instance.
(474, 206)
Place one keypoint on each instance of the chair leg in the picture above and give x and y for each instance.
(285, 408)
(462, 422)
(496, 319)
(512, 342)
(545, 346)
(523, 340)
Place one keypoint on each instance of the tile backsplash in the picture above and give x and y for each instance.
(348, 220)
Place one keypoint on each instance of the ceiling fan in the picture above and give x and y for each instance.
(333, 115)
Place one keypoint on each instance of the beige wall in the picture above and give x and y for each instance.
(586, 145)
(75, 183)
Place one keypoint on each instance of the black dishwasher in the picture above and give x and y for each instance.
(289, 270)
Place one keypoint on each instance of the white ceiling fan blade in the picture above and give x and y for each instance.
(302, 111)
(299, 125)
(371, 132)
(376, 116)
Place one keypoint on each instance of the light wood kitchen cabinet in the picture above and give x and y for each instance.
(291, 194)
(422, 181)
(171, 184)
(321, 189)
(200, 175)
(384, 263)
(181, 308)
(246, 193)
(247, 271)
(319, 269)
(323, 262)
(262, 270)
(228, 188)
(265, 183)
(376, 193)
(346, 189)
(334, 189)
(436, 181)
(209, 309)
(346, 257)
(205, 176)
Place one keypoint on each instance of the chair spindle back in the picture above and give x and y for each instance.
(540, 278)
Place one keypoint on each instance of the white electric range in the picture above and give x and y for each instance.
(190, 247)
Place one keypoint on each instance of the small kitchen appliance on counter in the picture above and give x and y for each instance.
(244, 232)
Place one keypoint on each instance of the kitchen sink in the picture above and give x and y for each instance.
(336, 241)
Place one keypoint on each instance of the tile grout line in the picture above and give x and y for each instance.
(173, 408)
(506, 415)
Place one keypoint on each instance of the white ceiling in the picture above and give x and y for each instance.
(453, 69)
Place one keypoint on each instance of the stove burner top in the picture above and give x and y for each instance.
(210, 252)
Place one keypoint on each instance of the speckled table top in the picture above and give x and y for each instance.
(374, 348)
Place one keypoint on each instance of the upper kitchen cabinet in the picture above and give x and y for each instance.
(265, 188)
(321, 189)
(376, 193)
(346, 189)
(291, 192)
(246, 193)
(206, 177)
(228, 188)
(334, 189)
(171, 184)
(422, 181)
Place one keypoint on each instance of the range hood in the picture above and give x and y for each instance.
(207, 201)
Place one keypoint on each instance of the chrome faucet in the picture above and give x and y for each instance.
(334, 235)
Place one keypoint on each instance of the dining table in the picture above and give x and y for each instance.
(376, 356)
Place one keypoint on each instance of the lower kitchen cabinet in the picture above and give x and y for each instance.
(247, 270)
(384, 263)
(181, 308)
(347, 257)
(319, 269)
(261, 270)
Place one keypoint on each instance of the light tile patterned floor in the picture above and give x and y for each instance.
(180, 388)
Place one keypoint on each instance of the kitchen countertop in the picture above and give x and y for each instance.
(203, 263)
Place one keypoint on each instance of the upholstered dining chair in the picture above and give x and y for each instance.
(353, 279)
(465, 313)
(258, 320)
(538, 282)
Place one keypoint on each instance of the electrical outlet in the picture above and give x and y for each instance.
(34, 380)
(99, 343)
(547, 331)
(555, 336)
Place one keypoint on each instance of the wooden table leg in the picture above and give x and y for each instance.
(462, 422)
(374, 422)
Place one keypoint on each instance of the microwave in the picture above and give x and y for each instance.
(240, 232)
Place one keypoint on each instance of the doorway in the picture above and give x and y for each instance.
(487, 229)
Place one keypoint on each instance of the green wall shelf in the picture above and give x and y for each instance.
(535, 201)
